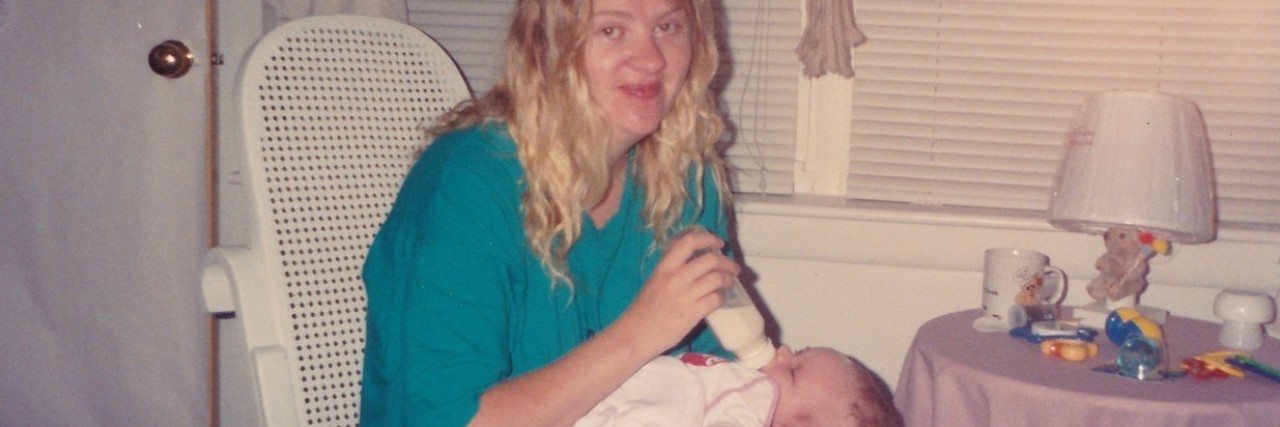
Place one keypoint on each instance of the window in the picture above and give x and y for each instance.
(758, 82)
(759, 76)
(473, 31)
(964, 103)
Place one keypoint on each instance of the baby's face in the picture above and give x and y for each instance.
(816, 386)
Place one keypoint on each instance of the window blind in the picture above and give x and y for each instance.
(472, 31)
(757, 86)
(966, 103)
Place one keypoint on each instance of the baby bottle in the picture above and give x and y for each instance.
(737, 323)
(740, 328)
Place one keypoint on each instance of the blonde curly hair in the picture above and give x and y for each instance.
(543, 99)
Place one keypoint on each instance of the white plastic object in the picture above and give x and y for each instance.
(1243, 313)
(221, 269)
(1053, 328)
(277, 396)
(331, 110)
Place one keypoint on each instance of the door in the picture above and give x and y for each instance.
(103, 216)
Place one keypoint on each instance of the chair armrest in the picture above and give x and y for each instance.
(271, 371)
(220, 270)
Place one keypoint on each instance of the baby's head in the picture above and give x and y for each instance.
(823, 387)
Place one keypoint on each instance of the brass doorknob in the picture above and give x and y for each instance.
(171, 59)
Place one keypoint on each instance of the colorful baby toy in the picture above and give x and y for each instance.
(1064, 340)
(1124, 322)
(1045, 330)
(1227, 364)
(1140, 344)
(1212, 365)
(1072, 350)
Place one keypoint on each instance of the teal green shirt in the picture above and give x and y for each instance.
(459, 302)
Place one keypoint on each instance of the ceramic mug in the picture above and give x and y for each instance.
(1012, 280)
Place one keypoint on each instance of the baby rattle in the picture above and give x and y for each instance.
(1071, 350)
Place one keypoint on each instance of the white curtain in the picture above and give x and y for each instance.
(829, 38)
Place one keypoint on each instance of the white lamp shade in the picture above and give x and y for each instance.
(1138, 159)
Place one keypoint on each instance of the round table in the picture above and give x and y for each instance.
(955, 375)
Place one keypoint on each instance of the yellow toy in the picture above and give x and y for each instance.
(1124, 322)
(1217, 360)
(1071, 350)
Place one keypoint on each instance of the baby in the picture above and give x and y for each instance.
(813, 387)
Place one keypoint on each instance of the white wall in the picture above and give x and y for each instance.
(862, 279)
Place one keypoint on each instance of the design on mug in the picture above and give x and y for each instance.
(1029, 291)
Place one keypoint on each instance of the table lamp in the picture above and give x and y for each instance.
(1137, 170)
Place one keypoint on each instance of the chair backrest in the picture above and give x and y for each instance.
(332, 110)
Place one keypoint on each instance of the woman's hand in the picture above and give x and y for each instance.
(684, 289)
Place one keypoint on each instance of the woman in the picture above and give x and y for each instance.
(519, 278)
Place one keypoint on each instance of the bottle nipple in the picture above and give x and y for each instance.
(758, 355)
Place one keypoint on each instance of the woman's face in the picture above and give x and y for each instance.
(637, 56)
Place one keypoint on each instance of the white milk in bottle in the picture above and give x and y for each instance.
(737, 323)
(740, 328)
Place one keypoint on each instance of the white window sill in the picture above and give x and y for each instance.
(839, 208)
(831, 229)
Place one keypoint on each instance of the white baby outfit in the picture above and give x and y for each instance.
(693, 390)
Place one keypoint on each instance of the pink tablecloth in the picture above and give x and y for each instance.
(957, 376)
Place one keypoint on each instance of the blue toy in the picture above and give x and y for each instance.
(1042, 331)
(1124, 322)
